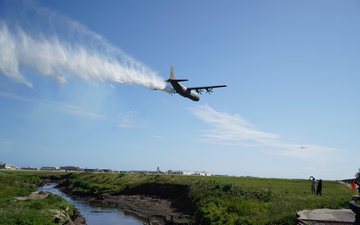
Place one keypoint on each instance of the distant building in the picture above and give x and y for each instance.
(188, 173)
(91, 170)
(198, 173)
(51, 168)
(70, 168)
(143, 172)
(202, 173)
(7, 166)
(98, 170)
(10, 167)
(28, 168)
(177, 172)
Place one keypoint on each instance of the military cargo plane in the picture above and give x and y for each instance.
(192, 93)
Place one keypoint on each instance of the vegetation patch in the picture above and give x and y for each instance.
(29, 208)
(212, 200)
(219, 200)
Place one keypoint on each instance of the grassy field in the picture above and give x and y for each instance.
(226, 200)
(38, 211)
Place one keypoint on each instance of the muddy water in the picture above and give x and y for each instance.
(94, 215)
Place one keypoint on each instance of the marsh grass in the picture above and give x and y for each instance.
(216, 200)
(226, 200)
(28, 212)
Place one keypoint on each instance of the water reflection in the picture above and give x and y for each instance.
(94, 215)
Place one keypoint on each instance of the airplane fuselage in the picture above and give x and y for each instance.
(183, 91)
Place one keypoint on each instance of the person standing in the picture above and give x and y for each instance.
(353, 185)
(312, 185)
(319, 187)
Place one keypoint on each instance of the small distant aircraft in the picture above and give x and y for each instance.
(192, 93)
(302, 147)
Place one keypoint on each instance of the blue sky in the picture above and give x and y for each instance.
(291, 68)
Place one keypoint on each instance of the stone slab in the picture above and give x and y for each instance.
(327, 216)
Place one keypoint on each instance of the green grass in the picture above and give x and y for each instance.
(41, 211)
(216, 200)
(227, 200)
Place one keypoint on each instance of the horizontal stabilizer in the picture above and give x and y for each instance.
(177, 80)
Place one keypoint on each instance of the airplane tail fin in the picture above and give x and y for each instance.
(172, 76)
(172, 73)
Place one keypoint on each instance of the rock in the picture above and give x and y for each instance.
(326, 216)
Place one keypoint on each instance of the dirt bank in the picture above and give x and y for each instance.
(33, 196)
(60, 216)
(77, 219)
(156, 204)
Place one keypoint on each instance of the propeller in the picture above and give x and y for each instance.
(199, 91)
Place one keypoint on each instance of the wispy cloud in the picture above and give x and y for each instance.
(233, 129)
(65, 107)
(58, 47)
(126, 120)
(122, 120)
(124, 124)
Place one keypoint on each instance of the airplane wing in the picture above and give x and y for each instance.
(207, 88)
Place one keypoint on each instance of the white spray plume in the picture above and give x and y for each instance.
(55, 55)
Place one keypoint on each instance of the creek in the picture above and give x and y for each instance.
(94, 215)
